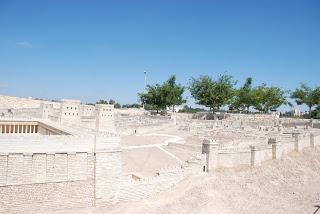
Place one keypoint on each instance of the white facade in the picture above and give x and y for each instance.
(104, 117)
(70, 109)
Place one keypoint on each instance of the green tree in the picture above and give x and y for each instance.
(268, 98)
(212, 93)
(316, 113)
(160, 96)
(154, 96)
(307, 95)
(117, 105)
(102, 102)
(112, 102)
(172, 92)
(243, 98)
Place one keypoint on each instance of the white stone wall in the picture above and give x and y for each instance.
(104, 117)
(46, 110)
(230, 158)
(108, 174)
(46, 181)
(30, 168)
(87, 110)
(256, 154)
(70, 110)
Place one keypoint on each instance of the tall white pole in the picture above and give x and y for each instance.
(145, 84)
(145, 81)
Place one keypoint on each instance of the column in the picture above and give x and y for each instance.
(0, 129)
(18, 129)
(253, 155)
(30, 129)
(276, 148)
(14, 129)
(297, 147)
(312, 140)
(9, 128)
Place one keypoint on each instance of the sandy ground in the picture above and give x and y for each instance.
(142, 140)
(145, 161)
(291, 185)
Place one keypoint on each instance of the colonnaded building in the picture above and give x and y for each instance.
(60, 155)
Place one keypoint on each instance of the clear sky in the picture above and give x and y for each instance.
(99, 49)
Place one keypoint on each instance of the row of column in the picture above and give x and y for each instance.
(12, 129)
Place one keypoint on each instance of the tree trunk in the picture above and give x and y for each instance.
(310, 107)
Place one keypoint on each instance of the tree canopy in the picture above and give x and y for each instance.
(307, 95)
(244, 97)
(268, 98)
(161, 96)
(173, 92)
(102, 102)
(212, 93)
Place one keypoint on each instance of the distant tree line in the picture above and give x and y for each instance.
(221, 93)
(116, 104)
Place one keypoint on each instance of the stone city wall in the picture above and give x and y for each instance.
(258, 153)
(32, 181)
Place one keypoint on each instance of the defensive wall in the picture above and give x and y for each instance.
(215, 156)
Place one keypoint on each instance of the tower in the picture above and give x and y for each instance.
(104, 117)
(46, 110)
(69, 110)
(209, 157)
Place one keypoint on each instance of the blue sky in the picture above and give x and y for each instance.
(99, 49)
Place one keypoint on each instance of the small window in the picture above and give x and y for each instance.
(71, 107)
(67, 107)
(65, 113)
